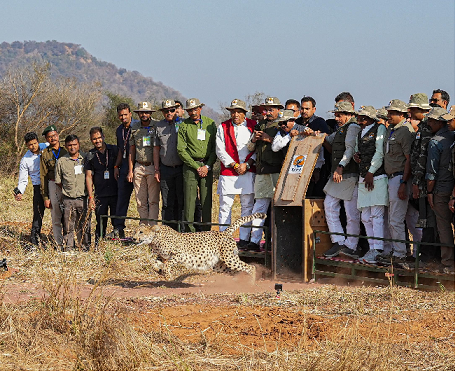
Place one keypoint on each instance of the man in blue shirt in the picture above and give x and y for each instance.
(30, 166)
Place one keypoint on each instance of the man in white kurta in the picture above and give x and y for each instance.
(372, 182)
(237, 176)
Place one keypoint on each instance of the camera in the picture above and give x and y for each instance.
(16, 191)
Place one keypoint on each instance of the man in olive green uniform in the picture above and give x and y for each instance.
(52, 194)
(268, 165)
(196, 148)
(141, 164)
(70, 176)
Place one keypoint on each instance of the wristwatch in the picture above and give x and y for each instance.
(247, 165)
(208, 167)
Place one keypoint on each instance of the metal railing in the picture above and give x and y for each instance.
(416, 273)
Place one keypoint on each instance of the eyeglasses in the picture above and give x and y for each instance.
(172, 110)
(434, 100)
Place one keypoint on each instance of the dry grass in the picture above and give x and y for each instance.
(74, 324)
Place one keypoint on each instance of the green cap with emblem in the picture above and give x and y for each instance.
(343, 107)
(368, 111)
(419, 100)
(450, 115)
(237, 103)
(382, 113)
(272, 101)
(285, 115)
(437, 113)
(49, 129)
(193, 103)
(168, 103)
(144, 107)
(397, 105)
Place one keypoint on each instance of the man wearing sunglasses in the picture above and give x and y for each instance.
(440, 98)
(168, 164)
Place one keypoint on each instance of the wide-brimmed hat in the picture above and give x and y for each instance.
(285, 115)
(49, 129)
(419, 100)
(437, 113)
(382, 113)
(272, 101)
(237, 103)
(144, 107)
(450, 115)
(168, 103)
(343, 107)
(193, 103)
(397, 105)
(368, 111)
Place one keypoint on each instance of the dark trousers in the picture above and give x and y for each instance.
(76, 221)
(193, 182)
(124, 190)
(427, 220)
(38, 212)
(102, 206)
(172, 191)
(444, 218)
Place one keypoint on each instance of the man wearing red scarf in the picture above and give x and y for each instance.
(237, 174)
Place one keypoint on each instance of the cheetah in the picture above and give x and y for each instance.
(200, 251)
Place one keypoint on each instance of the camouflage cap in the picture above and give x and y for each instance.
(419, 100)
(343, 107)
(193, 103)
(49, 129)
(397, 105)
(168, 103)
(144, 107)
(237, 103)
(437, 113)
(272, 101)
(382, 113)
(285, 115)
(450, 115)
(368, 111)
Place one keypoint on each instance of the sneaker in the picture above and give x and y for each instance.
(252, 246)
(370, 257)
(449, 270)
(334, 250)
(349, 252)
(383, 258)
(114, 234)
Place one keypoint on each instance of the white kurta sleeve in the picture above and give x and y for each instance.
(220, 147)
(280, 142)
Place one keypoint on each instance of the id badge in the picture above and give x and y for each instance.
(387, 146)
(201, 134)
(177, 127)
(146, 141)
(106, 175)
(78, 169)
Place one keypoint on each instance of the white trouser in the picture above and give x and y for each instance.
(332, 212)
(373, 218)
(396, 215)
(55, 196)
(261, 206)
(411, 218)
(226, 202)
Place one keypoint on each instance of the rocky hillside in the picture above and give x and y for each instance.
(71, 60)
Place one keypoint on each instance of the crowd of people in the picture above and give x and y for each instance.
(380, 167)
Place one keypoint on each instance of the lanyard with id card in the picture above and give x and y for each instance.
(388, 141)
(77, 168)
(201, 135)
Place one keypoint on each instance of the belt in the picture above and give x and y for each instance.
(144, 163)
(395, 174)
(173, 166)
(200, 159)
(81, 198)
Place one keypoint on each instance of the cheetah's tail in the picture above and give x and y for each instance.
(243, 220)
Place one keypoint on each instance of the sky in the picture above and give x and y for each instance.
(220, 50)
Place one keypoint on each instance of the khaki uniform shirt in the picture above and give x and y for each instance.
(47, 167)
(71, 175)
(397, 145)
(143, 138)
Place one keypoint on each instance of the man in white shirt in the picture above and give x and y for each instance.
(237, 174)
(30, 166)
